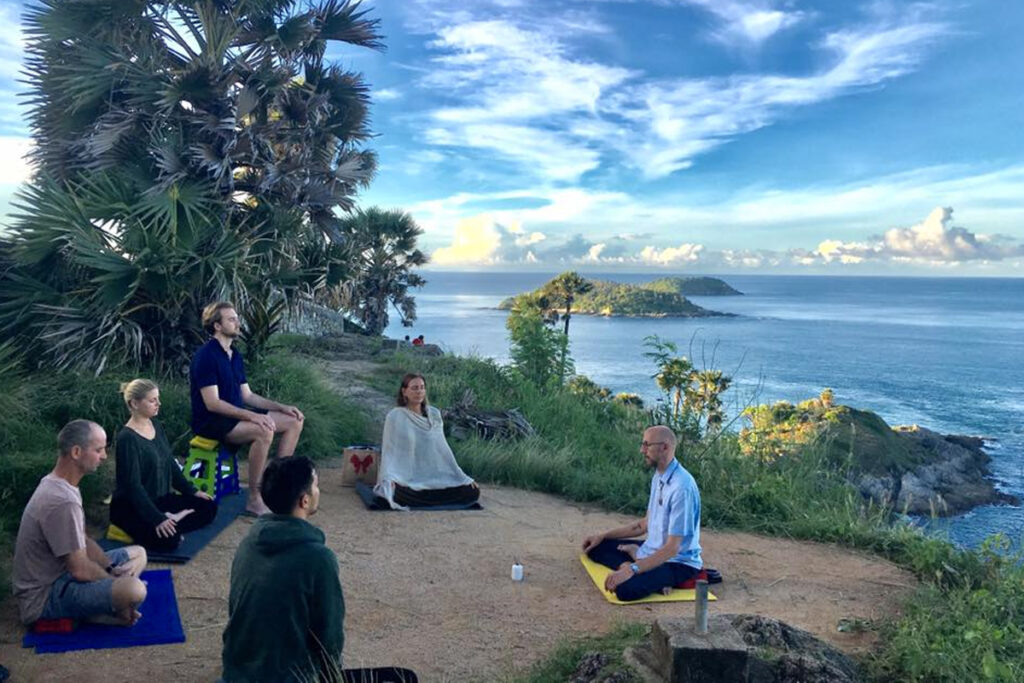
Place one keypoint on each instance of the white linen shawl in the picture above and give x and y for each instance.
(415, 454)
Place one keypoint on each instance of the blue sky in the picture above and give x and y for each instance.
(689, 135)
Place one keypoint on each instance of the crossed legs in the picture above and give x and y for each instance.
(259, 439)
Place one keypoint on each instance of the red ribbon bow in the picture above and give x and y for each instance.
(361, 465)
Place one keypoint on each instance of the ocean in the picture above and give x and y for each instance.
(944, 353)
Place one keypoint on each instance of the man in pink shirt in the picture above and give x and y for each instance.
(59, 572)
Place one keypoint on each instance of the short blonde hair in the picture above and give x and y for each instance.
(211, 314)
(136, 390)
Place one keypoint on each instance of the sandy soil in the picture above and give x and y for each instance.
(431, 591)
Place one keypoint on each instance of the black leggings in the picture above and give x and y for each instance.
(124, 515)
(456, 495)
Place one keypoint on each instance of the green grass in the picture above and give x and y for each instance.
(33, 408)
(560, 665)
(964, 623)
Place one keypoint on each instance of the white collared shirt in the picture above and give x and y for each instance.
(674, 510)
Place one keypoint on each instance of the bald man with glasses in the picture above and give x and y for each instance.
(671, 552)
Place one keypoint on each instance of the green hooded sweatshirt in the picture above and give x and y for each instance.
(285, 609)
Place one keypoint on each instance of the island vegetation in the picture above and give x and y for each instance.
(664, 297)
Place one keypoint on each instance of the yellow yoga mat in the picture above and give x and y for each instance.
(598, 573)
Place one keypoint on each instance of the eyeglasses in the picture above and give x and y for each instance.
(648, 444)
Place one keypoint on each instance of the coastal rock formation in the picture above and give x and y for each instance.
(909, 469)
(953, 479)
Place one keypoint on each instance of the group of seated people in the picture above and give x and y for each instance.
(283, 566)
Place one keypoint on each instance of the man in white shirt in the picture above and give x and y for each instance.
(671, 553)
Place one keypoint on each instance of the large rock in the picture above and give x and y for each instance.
(739, 648)
(954, 479)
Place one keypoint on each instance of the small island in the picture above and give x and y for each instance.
(661, 298)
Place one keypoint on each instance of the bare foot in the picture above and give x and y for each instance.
(628, 548)
(257, 507)
(126, 617)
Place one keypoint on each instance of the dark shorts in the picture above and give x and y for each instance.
(219, 426)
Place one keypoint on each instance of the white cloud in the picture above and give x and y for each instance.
(519, 93)
(12, 46)
(520, 89)
(546, 153)
(747, 22)
(670, 256)
(480, 240)
(933, 241)
(678, 119)
(754, 217)
(387, 95)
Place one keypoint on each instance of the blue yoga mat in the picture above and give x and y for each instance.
(160, 624)
(228, 508)
(375, 502)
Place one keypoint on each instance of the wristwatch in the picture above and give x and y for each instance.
(635, 568)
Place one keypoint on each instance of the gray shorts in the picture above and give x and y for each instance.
(70, 599)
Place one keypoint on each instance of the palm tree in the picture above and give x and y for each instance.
(383, 243)
(183, 152)
(562, 291)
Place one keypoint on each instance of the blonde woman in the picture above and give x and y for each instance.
(145, 503)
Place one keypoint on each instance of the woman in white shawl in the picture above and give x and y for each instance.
(417, 466)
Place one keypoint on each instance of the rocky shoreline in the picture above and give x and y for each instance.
(955, 479)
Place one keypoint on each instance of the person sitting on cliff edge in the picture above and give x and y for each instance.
(671, 554)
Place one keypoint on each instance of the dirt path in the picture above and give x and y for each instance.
(431, 591)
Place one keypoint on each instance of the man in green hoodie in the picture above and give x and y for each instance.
(285, 608)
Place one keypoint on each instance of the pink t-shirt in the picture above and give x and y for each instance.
(52, 526)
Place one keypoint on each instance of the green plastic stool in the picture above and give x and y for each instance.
(212, 468)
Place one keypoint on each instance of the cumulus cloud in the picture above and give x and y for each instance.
(482, 241)
(935, 240)
(670, 256)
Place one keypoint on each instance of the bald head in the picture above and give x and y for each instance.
(663, 434)
(658, 447)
